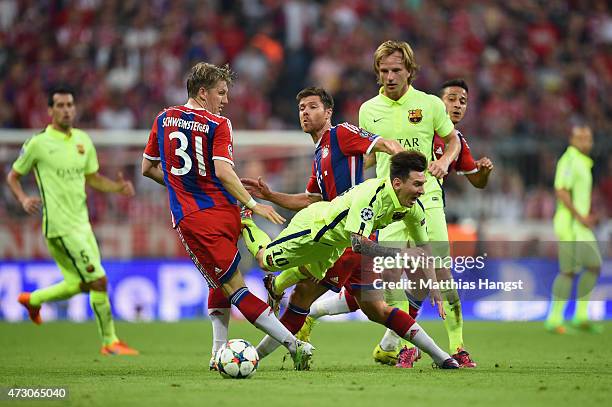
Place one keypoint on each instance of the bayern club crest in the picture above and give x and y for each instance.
(325, 152)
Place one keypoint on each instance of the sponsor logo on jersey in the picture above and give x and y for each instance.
(80, 148)
(415, 116)
(439, 151)
(367, 214)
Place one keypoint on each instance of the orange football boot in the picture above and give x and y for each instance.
(118, 348)
(33, 312)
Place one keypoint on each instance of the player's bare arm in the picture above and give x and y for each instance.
(104, 184)
(152, 169)
(480, 179)
(439, 167)
(382, 146)
(30, 204)
(295, 202)
(231, 182)
(565, 197)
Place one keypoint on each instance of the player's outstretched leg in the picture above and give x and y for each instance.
(57, 292)
(406, 327)
(260, 314)
(454, 327)
(586, 284)
(101, 307)
(561, 289)
(304, 294)
(219, 309)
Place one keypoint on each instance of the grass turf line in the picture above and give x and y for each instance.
(518, 364)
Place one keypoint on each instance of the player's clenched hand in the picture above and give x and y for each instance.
(485, 164)
(436, 301)
(257, 188)
(31, 204)
(126, 187)
(268, 212)
(438, 168)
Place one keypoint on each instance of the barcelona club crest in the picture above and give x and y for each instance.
(415, 116)
(80, 148)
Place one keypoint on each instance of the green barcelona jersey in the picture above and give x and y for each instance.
(412, 121)
(574, 174)
(367, 207)
(60, 163)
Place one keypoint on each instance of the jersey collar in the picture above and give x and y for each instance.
(391, 192)
(56, 133)
(392, 102)
(581, 156)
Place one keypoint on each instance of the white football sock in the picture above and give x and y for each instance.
(419, 338)
(333, 305)
(220, 318)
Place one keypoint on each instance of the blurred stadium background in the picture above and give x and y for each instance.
(534, 68)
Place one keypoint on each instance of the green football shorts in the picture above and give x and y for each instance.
(77, 256)
(577, 247)
(295, 246)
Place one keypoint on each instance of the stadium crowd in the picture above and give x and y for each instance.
(534, 68)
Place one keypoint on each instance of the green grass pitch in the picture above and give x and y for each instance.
(519, 365)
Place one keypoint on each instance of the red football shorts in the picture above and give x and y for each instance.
(210, 237)
(351, 271)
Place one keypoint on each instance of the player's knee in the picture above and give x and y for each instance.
(99, 285)
(596, 271)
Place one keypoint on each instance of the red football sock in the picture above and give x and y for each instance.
(399, 321)
(249, 305)
(293, 318)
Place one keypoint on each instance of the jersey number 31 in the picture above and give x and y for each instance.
(181, 151)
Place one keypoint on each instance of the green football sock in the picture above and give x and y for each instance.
(56, 292)
(398, 299)
(102, 311)
(586, 283)
(561, 290)
(254, 237)
(287, 278)
(454, 319)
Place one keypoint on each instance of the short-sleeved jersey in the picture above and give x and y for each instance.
(464, 163)
(187, 141)
(60, 163)
(412, 121)
(367, 207)
(338, 160)
(574, 174)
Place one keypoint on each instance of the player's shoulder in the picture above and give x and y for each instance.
(35, 138)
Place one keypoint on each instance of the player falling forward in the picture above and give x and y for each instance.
(337, 166)
(190, 151)
(318, 235)
(578, 251)
(454, 94)
(64, 160)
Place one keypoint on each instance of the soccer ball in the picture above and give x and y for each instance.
(237, 359)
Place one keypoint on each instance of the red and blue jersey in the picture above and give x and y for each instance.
(338, 160)
(187, 141)
(464, 163)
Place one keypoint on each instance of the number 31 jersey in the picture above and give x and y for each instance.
(186, 141)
